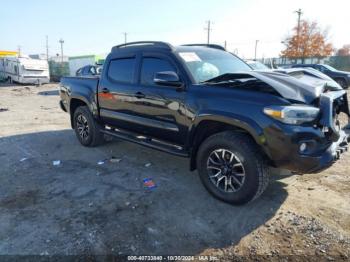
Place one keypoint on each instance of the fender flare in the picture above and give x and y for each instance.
(242, 122)
(86, 99)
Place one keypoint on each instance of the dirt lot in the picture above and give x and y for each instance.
(81, 207)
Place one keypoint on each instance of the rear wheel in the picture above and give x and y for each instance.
(232, 167)
(342, 83)
(87, 129)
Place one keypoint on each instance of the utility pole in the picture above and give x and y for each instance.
(19, 51)
(208, 28)
(125, 37)
(256, 47)
(61, 41)
(47, 48)
(299, 12)
(225, 44)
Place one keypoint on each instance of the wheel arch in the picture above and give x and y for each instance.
(76, 102)
(209, 124)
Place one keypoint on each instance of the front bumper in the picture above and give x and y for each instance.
(333, 153)
(284, 148)
(323, 146)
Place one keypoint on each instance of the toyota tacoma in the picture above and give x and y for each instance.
(201, 102)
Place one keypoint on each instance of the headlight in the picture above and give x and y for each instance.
(292, 114)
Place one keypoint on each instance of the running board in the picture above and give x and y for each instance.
(146, 141)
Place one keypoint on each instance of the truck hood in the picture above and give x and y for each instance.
(304, 89)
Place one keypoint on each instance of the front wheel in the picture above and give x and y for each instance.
(232, 168)
(87, 129)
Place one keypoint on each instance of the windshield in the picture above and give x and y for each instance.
(207, 63)
(330, 68)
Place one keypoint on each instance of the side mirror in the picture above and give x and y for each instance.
(167, 78)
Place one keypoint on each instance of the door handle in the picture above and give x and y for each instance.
(140, 95)
(105, 90)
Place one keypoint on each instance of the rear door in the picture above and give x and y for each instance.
(116, 92)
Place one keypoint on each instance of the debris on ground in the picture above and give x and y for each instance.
(148, 165)
(149, 183)
(4, 109)
(56, 162)
(115, 160)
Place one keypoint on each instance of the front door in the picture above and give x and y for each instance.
(161, 107)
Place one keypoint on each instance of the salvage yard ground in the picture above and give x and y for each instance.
(81, 207)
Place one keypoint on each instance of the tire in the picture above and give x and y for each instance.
(84, 121)
(342, 83)
(247, 159)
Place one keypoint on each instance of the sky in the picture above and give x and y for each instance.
(93, 27)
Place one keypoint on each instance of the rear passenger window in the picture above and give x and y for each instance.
(122, 70)
(150, 66)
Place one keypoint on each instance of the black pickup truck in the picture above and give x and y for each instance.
(205, 103)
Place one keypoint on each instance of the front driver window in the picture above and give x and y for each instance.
(150, 66)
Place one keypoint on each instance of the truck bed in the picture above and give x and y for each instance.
(83, 88)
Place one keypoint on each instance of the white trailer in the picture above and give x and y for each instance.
(24, 70)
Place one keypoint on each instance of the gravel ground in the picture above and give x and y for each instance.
(81, 207)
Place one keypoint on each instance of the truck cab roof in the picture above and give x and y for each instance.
(157, 45)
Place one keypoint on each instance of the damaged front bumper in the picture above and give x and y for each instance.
(311, 149)
(320, 152)
(333, 153)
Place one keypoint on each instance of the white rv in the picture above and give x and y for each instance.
(24, 70)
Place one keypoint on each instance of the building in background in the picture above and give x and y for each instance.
(76, 62)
